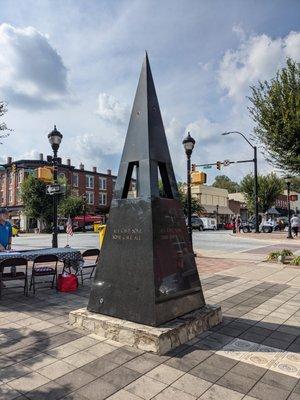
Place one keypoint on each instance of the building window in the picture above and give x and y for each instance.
(9, 178)
(90, 198)
(75, 180)
(19, 177)
(10, 197)
(62, 175)
(89, 182)
(102, 183)
(102, 199)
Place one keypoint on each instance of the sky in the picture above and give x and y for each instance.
(76, 64)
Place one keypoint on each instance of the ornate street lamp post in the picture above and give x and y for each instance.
(288, 181)
(255, 176)
(55, 138)
(188, 144)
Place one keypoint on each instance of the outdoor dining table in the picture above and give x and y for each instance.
(70, 257)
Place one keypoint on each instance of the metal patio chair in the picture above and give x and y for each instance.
(44, 265)
(90, 259)
(14, 274)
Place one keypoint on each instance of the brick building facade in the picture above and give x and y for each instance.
(97, 186)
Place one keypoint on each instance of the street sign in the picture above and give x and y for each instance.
(207, 166)
(53, 189)
(226, 163)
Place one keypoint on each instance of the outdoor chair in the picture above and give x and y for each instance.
(90, 259)
(9, 272)
(44, 265)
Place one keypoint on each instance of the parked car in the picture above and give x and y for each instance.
(209, 223)
(196, 223)
(229, 226)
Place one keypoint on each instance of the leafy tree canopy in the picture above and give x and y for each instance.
(269, 188)
(197, 207)
(3, 126)
(37, 204)
(223, 182)
(71, 206)
(276, 111)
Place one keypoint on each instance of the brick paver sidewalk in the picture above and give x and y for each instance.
(253, 354)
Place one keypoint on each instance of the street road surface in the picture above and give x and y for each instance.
(221, 241)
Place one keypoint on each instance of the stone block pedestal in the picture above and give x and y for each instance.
(160, 339)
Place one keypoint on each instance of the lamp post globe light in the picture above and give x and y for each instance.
(255, 176)
(288, 181)
(188, 144)
(55, 138)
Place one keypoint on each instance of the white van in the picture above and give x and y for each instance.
(209, 223)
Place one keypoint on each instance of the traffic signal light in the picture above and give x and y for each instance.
(45, 174)
(218, 163)
(14, 168)
(193, 167)
(198, 178)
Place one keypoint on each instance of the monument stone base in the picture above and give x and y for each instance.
(159, 339)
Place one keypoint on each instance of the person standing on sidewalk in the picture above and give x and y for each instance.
(5, 230)
(295, 223)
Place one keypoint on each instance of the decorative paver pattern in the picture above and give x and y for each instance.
(252, 354)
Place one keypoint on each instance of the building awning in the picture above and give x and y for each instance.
(222, 210)
(273, 211)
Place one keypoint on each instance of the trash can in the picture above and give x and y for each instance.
(102, 229)
(96, 227)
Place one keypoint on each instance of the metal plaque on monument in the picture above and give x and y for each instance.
(147, 272)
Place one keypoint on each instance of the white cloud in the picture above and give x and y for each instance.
(203, 129)
(33, 74)
(257, 58)
(33, 154)
(111, 110)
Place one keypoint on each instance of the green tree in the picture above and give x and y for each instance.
(276, 111)
(269, 188)
(197, 207)
(37, 204)
(71, 206)
(223, 182)
(3, 126)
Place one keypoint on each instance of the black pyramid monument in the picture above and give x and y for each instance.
(147, 271)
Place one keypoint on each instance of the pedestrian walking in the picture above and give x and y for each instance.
(238, 224)
(233, 224)
(295, 224)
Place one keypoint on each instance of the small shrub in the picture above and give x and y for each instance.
(286, 252)
(273, 256)
(295, 260)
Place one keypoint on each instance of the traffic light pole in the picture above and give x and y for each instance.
(289, 236)
(256, 190)
(230, 162)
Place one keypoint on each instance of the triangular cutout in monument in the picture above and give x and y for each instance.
(147, 271)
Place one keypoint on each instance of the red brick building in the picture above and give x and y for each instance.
(97, 186)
